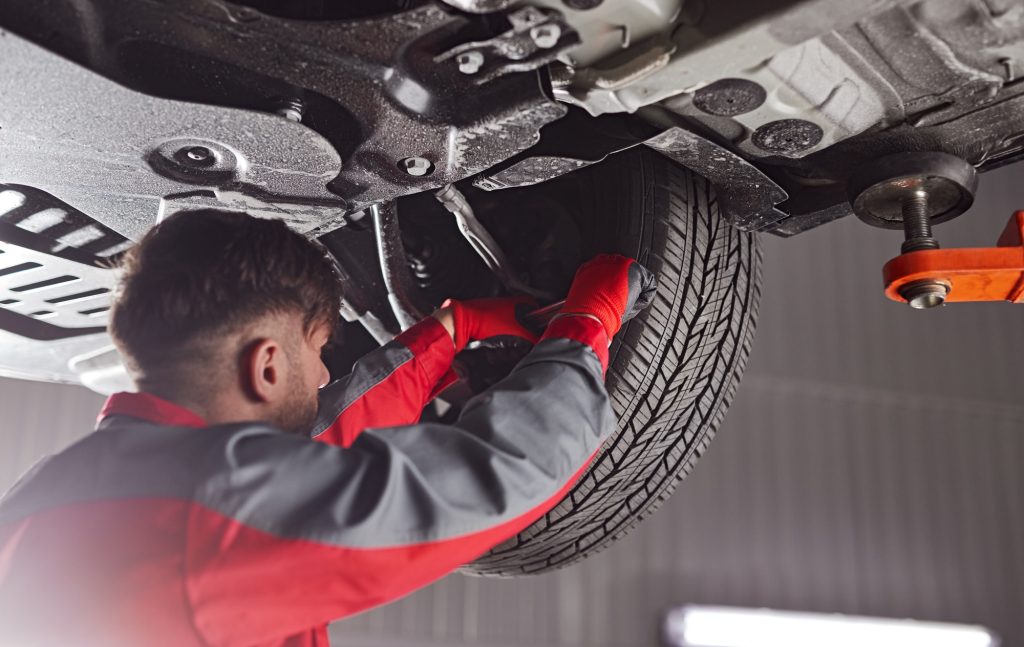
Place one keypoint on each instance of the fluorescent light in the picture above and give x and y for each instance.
(707, 626)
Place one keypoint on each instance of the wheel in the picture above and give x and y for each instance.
(673, 369)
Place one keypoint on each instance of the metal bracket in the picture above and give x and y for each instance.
(747, 196)
(537, 37)
(119, 155)
(370, 90)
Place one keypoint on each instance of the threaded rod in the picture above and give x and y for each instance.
(917, 225)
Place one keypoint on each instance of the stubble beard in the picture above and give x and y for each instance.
(298, 413)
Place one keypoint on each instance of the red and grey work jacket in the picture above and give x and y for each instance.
(158, 529)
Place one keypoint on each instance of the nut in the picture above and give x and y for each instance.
(546, 36)
(470, 62)
(416, 166)
(925, 294)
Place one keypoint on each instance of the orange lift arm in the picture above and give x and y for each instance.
(971, 274)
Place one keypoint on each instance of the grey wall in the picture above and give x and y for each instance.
(871, 464)
(37, 419)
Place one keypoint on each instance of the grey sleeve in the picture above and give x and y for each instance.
(370, 370)
(514, 448)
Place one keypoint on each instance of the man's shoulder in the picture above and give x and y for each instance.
(126, 459)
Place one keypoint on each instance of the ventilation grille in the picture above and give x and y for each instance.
(53, 290)
(55, 276)
(63, 227)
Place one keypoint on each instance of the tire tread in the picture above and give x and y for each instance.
(673, 373)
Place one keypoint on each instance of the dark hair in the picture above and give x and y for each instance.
(200, 275)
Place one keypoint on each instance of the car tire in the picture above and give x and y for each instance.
(674, 368)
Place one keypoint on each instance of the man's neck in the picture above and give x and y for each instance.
(221, 409)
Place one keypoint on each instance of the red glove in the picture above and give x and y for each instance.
(484, 318)
(611, 288)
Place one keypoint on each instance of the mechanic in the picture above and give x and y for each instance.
(228, 503)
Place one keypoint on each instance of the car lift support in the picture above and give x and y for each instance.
(915, 190)
(969, 274)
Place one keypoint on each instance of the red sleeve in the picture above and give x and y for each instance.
(587, 330)
(390, 386)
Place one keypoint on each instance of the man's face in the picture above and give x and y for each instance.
(296, 412)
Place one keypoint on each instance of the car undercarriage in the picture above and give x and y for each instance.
(451, 149)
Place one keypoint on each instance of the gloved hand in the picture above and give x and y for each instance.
(479, 319)
(612, 289)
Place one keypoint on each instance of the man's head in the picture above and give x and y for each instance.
(226, 314)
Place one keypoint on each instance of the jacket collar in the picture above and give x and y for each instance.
(147, 406)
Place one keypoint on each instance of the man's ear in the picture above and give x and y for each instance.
(263, 370)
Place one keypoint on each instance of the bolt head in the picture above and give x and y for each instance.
(198, 153)
(926, 301)
(416, 166)
(470, 62)
(925, 294)
(546, 36)
(199, 156)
